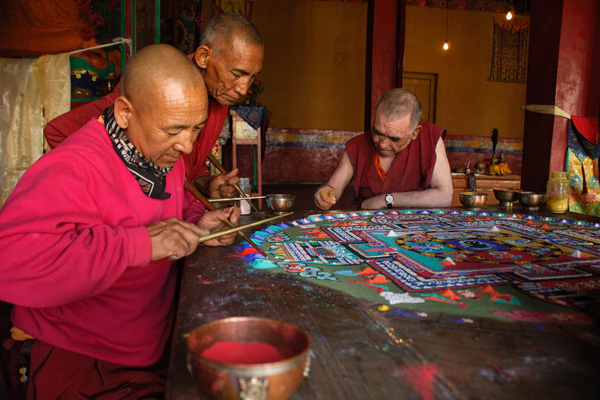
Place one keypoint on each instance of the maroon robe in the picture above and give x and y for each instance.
(195, 162)
(411, 169)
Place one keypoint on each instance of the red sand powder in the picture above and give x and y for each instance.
(242, 353)
(421, 378)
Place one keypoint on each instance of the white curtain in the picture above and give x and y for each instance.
(32, 92)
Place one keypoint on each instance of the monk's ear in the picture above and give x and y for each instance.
(202, 55)
(123, 112)
(416, 132)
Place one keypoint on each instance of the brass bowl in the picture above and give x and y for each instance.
(248, 358)
(473, 199)
(531, 200)
(280, 203)
(506, 197)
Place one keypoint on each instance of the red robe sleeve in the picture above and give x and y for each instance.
(62, 126)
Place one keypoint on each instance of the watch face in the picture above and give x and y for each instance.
(389, 198)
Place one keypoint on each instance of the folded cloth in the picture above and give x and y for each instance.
(587, 126)
(583, 137)
(253, 115)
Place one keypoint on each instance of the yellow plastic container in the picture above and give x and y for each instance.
(557, 193)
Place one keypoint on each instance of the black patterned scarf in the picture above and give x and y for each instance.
(151, 177)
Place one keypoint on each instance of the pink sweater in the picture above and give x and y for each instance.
(75, 253)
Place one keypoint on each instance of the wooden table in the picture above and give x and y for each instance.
(361, 353)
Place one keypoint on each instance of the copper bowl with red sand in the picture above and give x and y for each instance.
(248, 358)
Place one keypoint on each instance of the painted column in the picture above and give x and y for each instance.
(385, 51)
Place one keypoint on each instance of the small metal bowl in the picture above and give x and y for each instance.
(241, 358)
(506, 197)
(280, 203)
(531, 200)
(473, 199)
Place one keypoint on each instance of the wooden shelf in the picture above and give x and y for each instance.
(484, 184)
(243, 134)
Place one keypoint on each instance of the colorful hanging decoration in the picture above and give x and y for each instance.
(509, 50)
(582, 165)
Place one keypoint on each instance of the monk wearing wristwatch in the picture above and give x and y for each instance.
(400, 163)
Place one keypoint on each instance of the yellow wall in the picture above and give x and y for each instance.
(467, 103)
(314, 69)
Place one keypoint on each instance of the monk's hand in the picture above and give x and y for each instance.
(213, 221)
(173, 238)
(221, 186)
(325, 197)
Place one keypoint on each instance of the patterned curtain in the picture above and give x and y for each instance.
(509, 50)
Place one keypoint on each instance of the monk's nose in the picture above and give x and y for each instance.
(185, 142)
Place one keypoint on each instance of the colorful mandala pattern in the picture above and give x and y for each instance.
(451, 257)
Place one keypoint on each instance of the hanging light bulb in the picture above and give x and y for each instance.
(446, 44)
(510, 12)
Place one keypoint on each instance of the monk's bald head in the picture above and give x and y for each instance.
(163, 104)
(154, 68)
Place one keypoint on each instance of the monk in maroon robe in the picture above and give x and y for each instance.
(400, 163)
(230, 57)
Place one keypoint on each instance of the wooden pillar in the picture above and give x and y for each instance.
(563, 70)
(385, 51)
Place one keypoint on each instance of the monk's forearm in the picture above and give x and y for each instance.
(432, 197)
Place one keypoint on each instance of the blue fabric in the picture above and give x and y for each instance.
(254, 116)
